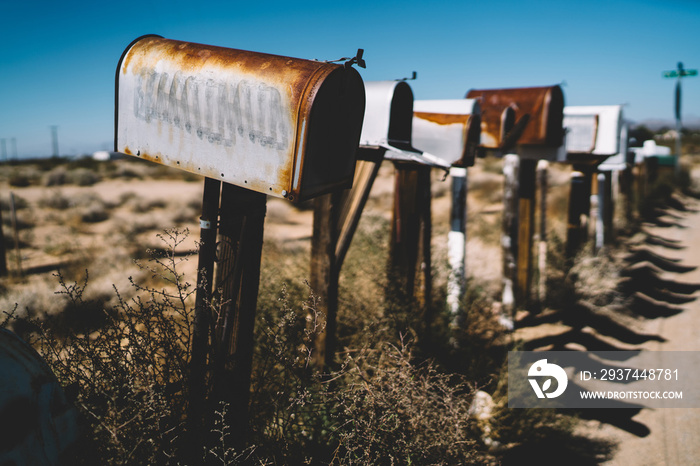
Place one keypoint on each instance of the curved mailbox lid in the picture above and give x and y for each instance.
(543, 106)
(283, 126)
(448, 129)
(388, 123)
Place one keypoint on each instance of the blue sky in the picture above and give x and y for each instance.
(58, 59)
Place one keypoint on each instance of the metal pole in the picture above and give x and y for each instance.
(54, 139)
(677, 168)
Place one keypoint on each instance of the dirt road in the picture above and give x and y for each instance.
(666, 436)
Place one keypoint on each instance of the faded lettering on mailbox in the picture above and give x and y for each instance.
(231, 110)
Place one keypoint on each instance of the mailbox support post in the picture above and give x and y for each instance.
(324, 276)
(336, 217)
(579, 209)
(409, 248)
(511, 168)
(242, 216)
(542, 168)
(202, 313)
(526, 228)
(456, 241)
(602, 226)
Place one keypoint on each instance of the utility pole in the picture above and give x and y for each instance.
(679, 73)
(54, 139)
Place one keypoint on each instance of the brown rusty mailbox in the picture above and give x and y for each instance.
(276, 125)
(448, 129)
(538, 112)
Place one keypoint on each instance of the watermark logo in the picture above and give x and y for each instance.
(543, 369)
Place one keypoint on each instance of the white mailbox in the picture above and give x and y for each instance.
(277, 125)
(448, 129)
(388, 123)
(594, 133)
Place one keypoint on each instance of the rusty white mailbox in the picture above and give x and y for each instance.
(539, 114)
(388, 123)
(594, 133)
(277, 125)
(448, 129)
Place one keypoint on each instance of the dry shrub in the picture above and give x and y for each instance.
(127, 368)
(394, 412)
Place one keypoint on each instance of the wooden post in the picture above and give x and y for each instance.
(324, 275)
(409, 247)
(457, 241)
(242, 216)
(542, 168)
(511, 168)
(601, 223)
(336, 217)
(200, 349)
(579, 207)
(608, 204)
(526, 229)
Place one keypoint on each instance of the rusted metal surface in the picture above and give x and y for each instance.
(388, 123)
(37, 424)
(448, 129)
(543, 107)
(282, 126)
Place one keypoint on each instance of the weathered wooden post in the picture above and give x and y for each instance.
(511, 212)
(388, 127)
(538, 135)
(450, 130)
(261, 124)
(542, 172)
(595, 135)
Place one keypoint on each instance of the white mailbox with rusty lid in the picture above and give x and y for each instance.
(282, 126)
(448, 129)
(594, 133)
(388, 123)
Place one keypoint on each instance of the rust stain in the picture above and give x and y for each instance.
(298, 80)
(442, 118)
